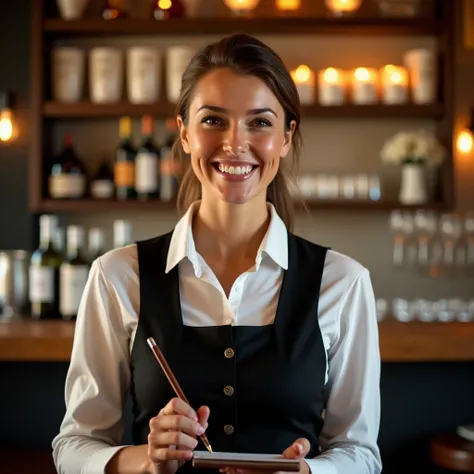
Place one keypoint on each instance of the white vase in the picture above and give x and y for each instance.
(71, 9)
(413, 188)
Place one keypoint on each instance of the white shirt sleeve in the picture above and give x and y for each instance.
(352, 418)
(96, 383)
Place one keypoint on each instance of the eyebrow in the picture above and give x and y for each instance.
(249, 112)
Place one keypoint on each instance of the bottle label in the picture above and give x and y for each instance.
(73, 279)
(124, 174)
(41, 284)
(146, 172)
(67, 186)
(102, 189)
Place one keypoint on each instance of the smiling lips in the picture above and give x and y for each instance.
(234, 170)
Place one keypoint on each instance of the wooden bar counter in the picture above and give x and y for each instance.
(28, 340)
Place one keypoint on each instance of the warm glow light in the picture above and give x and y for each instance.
(301, 74)
(288, 5)
(164, 4)
(362, 74)
(6, 125)
(395, 74)
(239, 6)
(340, 7)
(464, 142)
(331, 75)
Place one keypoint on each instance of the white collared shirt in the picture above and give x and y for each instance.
(99, 374)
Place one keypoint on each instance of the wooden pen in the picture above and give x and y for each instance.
(172, 380)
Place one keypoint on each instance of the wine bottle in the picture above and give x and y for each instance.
(122, 233)
(96, 243)
(124, 168)
(165, 9)
(44, 272)
(147, 163)
(169, 169)
(67, 178)
(73, 274)
(113, 10)
(102, 183)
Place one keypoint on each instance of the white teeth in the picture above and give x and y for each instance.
(235, 169)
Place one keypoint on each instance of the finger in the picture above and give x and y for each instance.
(179, 423)
(299, 449)
(167, 439)
(180, 407)
(165, 454)
(203, 415)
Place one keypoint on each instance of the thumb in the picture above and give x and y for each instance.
(299, 449)
(203, 415)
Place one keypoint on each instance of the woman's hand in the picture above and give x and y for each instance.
(298, 450)
(173, 436)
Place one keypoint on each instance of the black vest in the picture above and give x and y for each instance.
(265, 392)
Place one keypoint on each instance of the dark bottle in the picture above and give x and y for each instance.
(44, 272)
(67, 179)
(73, 274)
(113, 10)
(169, 167)
(166, 9)
(147, 163)
(124, 168)
(102, 182)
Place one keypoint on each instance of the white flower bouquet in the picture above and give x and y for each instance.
(413, 147)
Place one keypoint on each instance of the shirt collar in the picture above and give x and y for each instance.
(274, 243)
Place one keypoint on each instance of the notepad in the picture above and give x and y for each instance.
(272, 462)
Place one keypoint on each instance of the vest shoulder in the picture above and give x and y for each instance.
(306, 244)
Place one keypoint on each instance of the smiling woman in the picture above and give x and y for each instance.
(272, 338)
(236, 139)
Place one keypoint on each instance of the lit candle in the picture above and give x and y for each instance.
(241, 7)
(364, 86)
(288, 6)
(331, 86)
(342, 7)
(303, 77)
(394, 84)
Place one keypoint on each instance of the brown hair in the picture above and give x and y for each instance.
(244, 55)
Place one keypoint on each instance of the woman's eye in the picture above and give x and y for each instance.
(260, 122)
(212, 120)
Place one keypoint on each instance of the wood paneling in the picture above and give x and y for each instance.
(28, 340)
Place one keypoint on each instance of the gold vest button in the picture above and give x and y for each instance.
(228, 429)
(229, 353)
(228, 390)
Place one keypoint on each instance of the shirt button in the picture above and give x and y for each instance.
(228, 321)
(228, 429)
(229, 353)
(237, 289)
(229, 390)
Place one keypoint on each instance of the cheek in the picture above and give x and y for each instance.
(269, 146)
(203, 142)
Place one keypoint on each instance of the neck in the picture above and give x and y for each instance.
(230, 231)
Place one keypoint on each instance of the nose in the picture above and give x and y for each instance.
(235, 140)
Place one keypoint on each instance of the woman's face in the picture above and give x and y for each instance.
(235, 136)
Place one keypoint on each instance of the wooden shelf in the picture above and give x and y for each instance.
(426, 342)
(27, 340)
(227, 25)
(91, 205)
(164, 110)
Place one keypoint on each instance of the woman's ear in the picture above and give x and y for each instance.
(286, 146)
(183, 134)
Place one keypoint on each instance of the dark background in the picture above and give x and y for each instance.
(418, 400)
